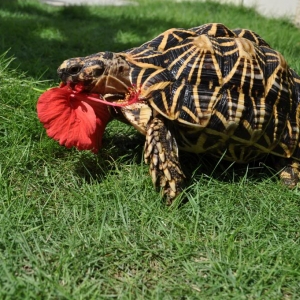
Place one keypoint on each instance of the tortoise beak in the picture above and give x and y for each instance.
(70, 69)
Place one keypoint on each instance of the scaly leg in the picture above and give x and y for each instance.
(290, 174)
(161, 152)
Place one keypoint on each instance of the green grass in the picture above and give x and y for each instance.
(78, 226)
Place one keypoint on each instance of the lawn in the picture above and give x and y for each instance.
(74, 225)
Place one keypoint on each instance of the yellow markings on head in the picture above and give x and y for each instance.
(64, 64)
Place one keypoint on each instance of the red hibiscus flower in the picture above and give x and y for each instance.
(75, 118)
(72, 119)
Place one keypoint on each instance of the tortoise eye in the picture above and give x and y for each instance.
(74, 70)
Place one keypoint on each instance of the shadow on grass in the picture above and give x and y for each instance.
(121, 150)
(117, 150)
(226, 171)
(41, 36)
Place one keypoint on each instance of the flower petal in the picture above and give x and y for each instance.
(71, 120)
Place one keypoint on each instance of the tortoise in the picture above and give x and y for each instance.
(207, 89)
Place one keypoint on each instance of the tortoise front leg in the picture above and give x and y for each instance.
(161, 152)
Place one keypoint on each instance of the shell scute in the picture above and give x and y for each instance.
(224, 83)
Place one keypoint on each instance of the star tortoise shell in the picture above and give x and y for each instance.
(207, 89)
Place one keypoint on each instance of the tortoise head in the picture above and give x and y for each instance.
(102, 73)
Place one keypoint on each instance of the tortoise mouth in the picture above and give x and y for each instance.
(83, 86)
(87, 86)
